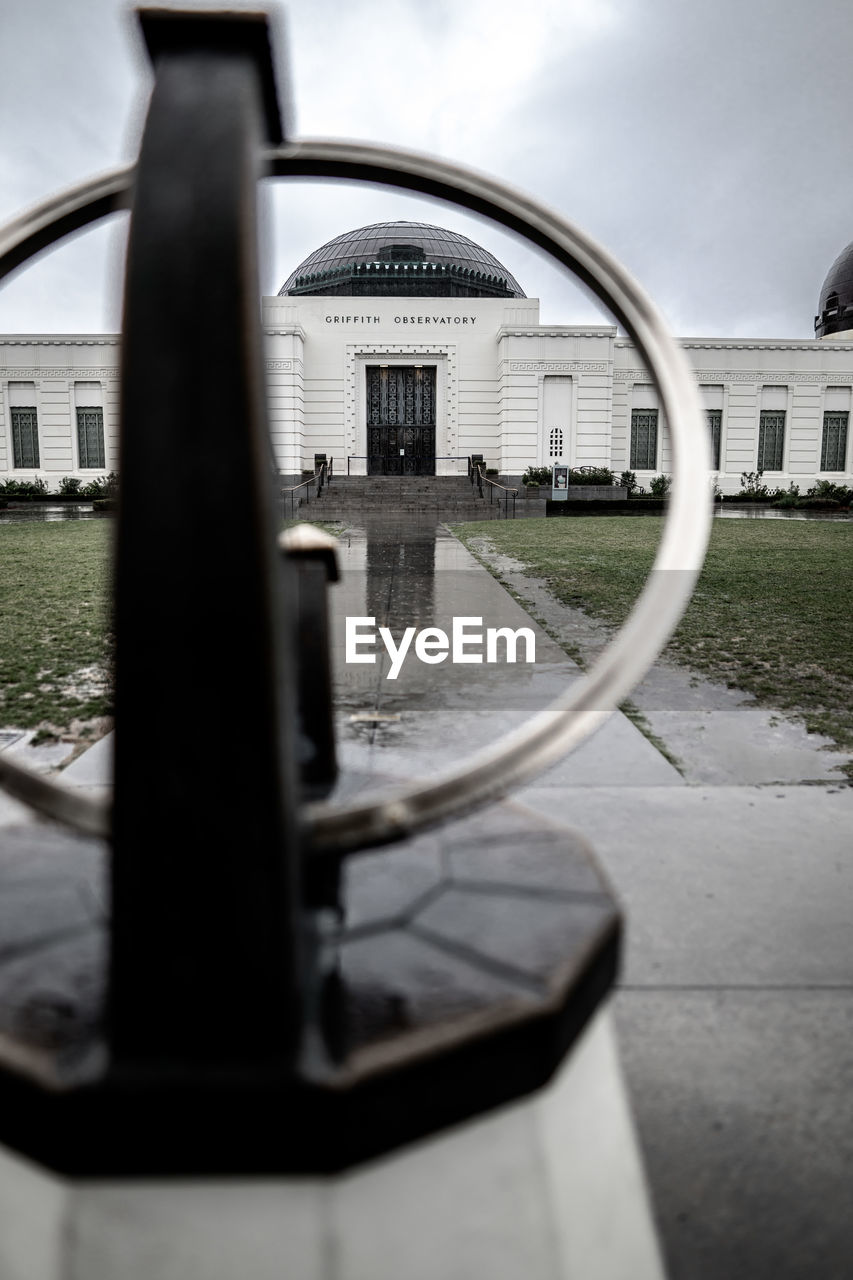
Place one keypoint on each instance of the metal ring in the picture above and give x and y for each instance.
(552, 733)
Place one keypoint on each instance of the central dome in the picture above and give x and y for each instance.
(402, 259)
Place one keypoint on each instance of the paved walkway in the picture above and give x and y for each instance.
(735, 1009)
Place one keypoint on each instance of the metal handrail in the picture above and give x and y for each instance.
(478, 470)
(322, 476)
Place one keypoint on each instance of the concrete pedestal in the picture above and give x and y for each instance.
(550, 1188)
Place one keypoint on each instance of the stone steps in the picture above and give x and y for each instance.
(340, 511)
(364, 487)
(445, 497)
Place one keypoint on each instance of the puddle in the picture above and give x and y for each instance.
(39, 512)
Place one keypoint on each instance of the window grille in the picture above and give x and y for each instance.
(715, 426)
(90, 437)
(555, 443)
(25, 438)
(771, 440)
(644, 439)
(833, 449)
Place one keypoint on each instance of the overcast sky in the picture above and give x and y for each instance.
(707, 143)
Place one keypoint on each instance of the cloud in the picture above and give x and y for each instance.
(704, 144)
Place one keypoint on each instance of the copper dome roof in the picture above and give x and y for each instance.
(412, 259)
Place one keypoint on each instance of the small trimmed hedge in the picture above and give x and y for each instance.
(585, 475)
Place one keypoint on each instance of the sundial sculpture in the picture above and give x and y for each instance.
(224, 1019)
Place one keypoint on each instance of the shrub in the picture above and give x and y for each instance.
(789, 497)
(827, 489)
(577, 475)
(23, 488)
(101, 487)
(628, 480)
(591, 475)
(537, 475)
(660, 485)
(752, 488)
(70, 485)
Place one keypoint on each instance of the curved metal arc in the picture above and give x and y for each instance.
(42, 225)
(551, 733)
(460, 186)
(72, 809)
(541, 741)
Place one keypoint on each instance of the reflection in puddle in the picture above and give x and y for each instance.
(38, 512)
(765, 513)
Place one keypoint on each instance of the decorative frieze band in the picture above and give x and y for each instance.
(102, 371)
(444, 359)
(787, 377)
(759, 344)
(63, 340)
(559, 366)
(81, 375)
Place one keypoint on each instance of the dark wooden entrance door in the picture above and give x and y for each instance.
(400, 420)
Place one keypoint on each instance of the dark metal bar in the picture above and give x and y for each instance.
(312, 553)
(205, 872)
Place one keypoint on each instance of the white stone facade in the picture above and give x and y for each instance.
(56, 376)
(518, 392)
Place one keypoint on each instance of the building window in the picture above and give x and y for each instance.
(25, 438)
(715, 426)
(771, 440)
(555, 443)
(90, 437)
(833, 449)
(644, 440)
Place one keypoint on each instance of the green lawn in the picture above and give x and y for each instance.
(54, 622)
(772, 612)
(55, 599)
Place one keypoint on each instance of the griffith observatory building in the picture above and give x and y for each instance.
(402, 347)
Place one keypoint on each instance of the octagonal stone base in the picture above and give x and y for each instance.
(549, 1188)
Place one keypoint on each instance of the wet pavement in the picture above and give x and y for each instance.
(735, 1008)
(419, 723)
